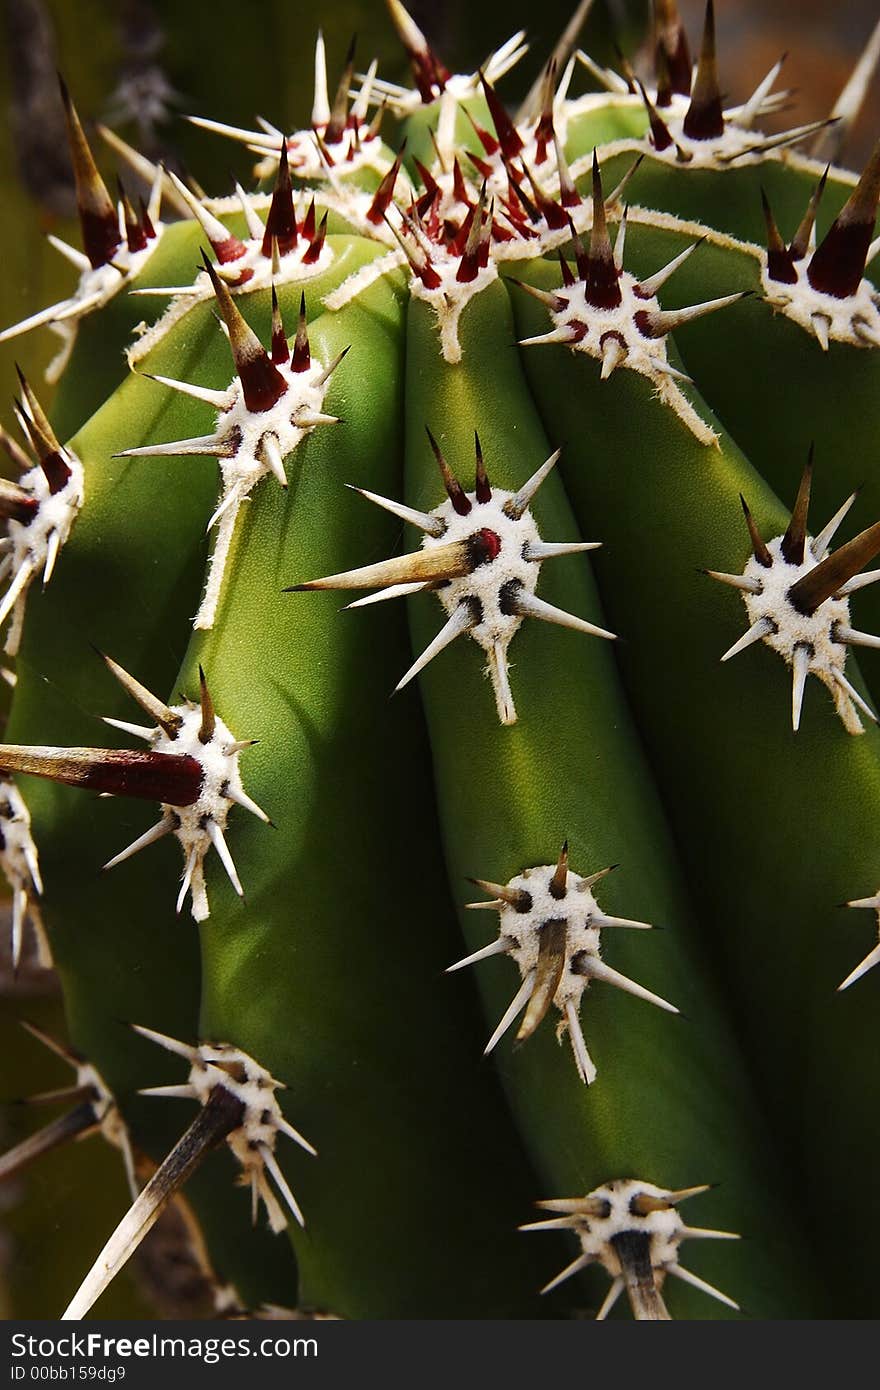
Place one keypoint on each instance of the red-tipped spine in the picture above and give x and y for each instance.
(544, 132)
(384, 195)
(309, 225)
(146, 220)
(429, 74)
(16, 504)
(601, 280)
(482, 488)
(837, 266)
(316, 246)
(135, 235)
(172, 778)
(279, 351)
(302, 357)
(508, 136)
(39, 432)
(454, 490)
(338, 122)
(672, 52)
(660, 135)
(705, 118)
(261, 382)
(98, 217)
(780, 263)
(281, 221)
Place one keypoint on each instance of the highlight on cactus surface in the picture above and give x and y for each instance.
(519, 265)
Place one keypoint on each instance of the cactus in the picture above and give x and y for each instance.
(626, 314)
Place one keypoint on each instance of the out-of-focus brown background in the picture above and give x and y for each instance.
(823, 41)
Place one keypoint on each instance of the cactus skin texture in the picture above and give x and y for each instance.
(541, 373)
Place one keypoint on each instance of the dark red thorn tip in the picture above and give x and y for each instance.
(309, 225)
(98, 218)
(599, 269)
(302, 357)
(454, 490)
(659, 130)
(553, 213)
(280, 352)
(780, 263)
(759, 548)
(544, 129)
(281, 221)
(485, 137)
(839, 263)
(793, 543)
(429, 73)
(384, 194)
(16, 504)
(482, 488)
(705, 118)
(508, 136)
(317, 246)
(41, 436)
(336, 126)
(171, 778)
(135, 235)
(261, 382)
(146, 220)
(672, 51)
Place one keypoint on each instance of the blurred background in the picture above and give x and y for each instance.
(140, 66)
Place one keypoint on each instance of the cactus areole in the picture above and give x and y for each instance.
(536, 371)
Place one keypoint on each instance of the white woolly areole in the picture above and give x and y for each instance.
(483, 590)
(665, 1227)
(853, 319)
(450, 298)
(791, 630)
(577, 908)
(19, 862)
(486, 583)
(285, 423)
(585, 328)
(553, 934)
(253, 1142)
(634, 1231)
(252, 271)
(221, 787)
(34, 546)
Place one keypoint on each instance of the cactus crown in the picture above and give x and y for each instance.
(565, 292)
